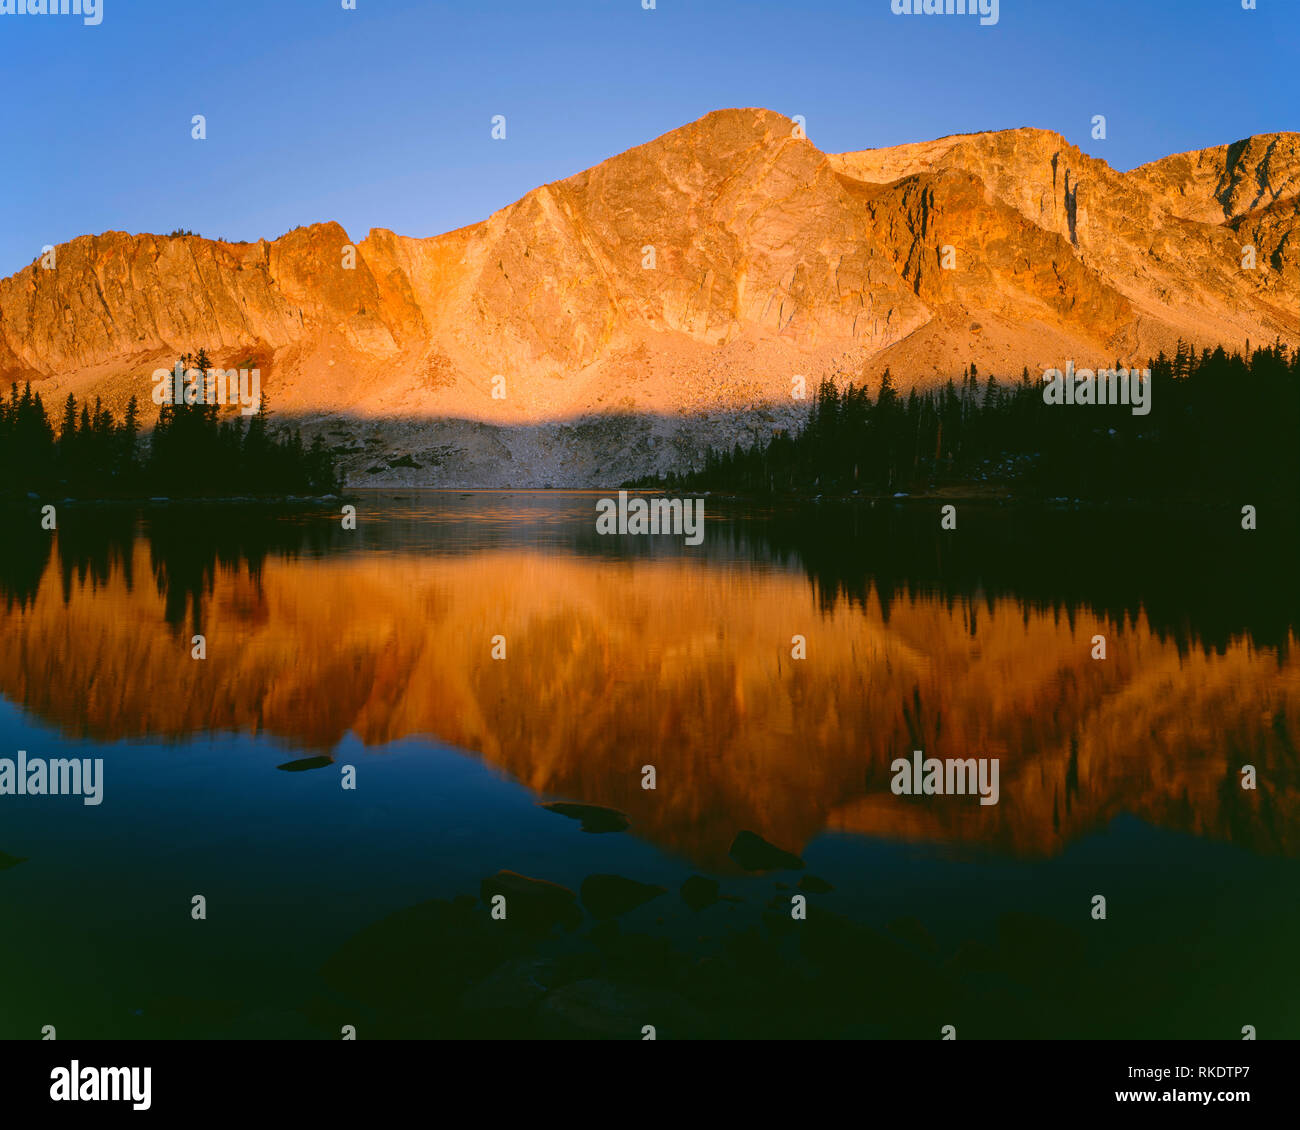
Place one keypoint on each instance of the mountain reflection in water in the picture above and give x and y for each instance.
(623, 653)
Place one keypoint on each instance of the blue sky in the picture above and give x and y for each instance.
(381, 117)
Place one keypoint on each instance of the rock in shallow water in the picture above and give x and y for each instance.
(603, 1010)
(754, 853)
(607, 896)
(594, 818)
(912, 930)
(532, 902)
(305, 763)
(418, 957)
(698, 892)
(513, 985)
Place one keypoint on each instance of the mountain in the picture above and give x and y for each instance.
(668, 297)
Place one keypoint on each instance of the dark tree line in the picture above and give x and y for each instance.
(1220, 426)
(194, 450)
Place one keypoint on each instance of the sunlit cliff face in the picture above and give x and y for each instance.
(611, 666)
(693, 273)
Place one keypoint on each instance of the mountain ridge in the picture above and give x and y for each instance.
(692, 276)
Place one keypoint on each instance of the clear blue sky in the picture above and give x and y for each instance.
(380, 117)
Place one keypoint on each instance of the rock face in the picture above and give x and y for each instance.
(684, 283)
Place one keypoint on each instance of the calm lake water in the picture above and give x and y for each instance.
(1118, 777)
